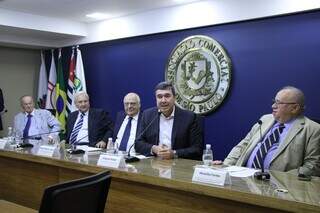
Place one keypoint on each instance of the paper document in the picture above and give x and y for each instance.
(141, 156)
(238, 171)
(88, 148)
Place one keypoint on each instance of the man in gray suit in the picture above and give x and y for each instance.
(297, 148)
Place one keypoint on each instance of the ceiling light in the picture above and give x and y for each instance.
(98, 16)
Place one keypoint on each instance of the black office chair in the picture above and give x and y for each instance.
(85, 195)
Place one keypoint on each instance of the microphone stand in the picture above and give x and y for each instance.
(261, 175)
(130, 158)
(25, 140)
(73, 149)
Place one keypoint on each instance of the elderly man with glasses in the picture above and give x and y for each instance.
(290, 141)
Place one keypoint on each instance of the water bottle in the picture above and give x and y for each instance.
(207, 156)
(10, 135)
(110, 145)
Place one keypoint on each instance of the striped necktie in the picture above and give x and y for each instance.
(266, 145)
(76, 129)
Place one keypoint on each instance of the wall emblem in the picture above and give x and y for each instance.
(200, 71)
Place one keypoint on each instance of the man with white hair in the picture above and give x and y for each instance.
(290, 141)
(33, 123)
(87, 125)
(127, 125)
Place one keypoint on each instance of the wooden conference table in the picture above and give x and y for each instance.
(153, 185)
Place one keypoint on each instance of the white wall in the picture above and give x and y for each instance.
(19, 70)
(203, 13)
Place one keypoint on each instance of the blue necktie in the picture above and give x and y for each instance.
(76, 129)
(126, 135)
(27, 127)
(266, 145)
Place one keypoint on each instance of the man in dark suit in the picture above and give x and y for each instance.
(170, 132)
(127, 125)
(88, 125)
(1, 108)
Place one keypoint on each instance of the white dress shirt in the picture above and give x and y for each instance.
(165, 129)
(83, 132)
(133, 131)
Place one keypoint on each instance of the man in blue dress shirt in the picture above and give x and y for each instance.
(33, 123)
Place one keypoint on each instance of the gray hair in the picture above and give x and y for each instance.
(298, 95)
(133, 94)
(80, 94)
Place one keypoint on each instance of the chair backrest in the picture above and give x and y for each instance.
(87, 195)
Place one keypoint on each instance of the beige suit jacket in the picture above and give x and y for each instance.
(300, 150)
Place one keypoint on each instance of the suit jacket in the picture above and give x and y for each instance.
(119, 120)
(1, 108)
(100, 126)
(186, 138)
(300, 150)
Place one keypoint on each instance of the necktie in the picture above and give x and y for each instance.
(266, 145)
(27, 127)
(126, 135)
(76, 129)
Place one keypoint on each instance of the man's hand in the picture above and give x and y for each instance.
(101, 144)
(163, 152)
(217, 162)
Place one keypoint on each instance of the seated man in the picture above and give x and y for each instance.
(290, 141)
(32, 123)
(128, 122)
(168, 131)
(88, 125)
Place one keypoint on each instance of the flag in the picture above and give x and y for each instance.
(51, 92)
(70, 87)
(79, 80)
(42, 85)
(61, 97)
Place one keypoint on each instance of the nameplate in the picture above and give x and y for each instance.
(3, 143)
(211, 176)
(112, 161)
(46, 150)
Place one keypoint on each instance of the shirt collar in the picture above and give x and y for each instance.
(26, 113)
(172, 114)
(287, 124)
(134, 117)
(84, 113)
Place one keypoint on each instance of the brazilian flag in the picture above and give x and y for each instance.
(61, 97)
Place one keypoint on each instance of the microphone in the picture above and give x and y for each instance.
(261, 175)
(38, 136)
(129, 158)
(75, 151)
(26, 144)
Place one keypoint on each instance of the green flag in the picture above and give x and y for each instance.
(61, 97)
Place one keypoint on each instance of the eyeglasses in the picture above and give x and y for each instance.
(276, 102)
(130, 103)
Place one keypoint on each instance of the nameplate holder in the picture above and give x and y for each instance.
(112, 161)
(211, 176)
(46, 150)
(3, 143)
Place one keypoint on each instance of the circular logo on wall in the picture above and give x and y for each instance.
(200, 71)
